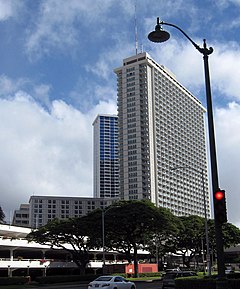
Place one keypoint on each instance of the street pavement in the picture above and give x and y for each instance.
(156, 284)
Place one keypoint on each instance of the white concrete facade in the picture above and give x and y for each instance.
(43, 209)
(161, 127)
(13, 240)
(21, 216)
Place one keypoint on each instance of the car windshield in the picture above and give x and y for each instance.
(104, 278)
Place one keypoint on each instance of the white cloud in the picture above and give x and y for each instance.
(225, 63)
(8, 86)
(41, 92)
(62, 24)
(182, 59)
(5, 10)
(227, 121)
(8, 9)
(40, 147)
(107, 60)
(187, 64)
(225, 3)
(45, 153)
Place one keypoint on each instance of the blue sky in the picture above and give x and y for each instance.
(56, 75)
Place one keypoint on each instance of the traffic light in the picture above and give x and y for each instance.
(220, 210)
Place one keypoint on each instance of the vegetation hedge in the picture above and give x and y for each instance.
(150, 274)
(64, 278)
(147, 274)
(233, 276)
(206, 283)
(13, 280)
(195, 283)
(72, 278)
(234, 283)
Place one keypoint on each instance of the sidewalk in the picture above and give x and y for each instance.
(81, 284)
(60, 285)
(34, 285)
(77, 284)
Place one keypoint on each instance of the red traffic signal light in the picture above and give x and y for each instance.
(219, 195)
(220, 210)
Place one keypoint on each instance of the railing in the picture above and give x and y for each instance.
(23, 263)
(49, 263)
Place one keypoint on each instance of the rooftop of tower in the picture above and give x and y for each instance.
(145, 56)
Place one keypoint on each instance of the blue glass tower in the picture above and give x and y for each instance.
(105, 157)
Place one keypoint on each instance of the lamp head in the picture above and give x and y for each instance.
(159, 35)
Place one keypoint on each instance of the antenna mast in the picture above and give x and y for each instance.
(136, 32)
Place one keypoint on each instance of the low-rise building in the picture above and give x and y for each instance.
(18, 257)
(42, 209)
(21, 216)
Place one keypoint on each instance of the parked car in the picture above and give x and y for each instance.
(229, 271)
(172, 270)
(169, 277)
(111, 282)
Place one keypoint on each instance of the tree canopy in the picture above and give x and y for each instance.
(2, 215)
(130, 226)
(191, 238)
(188, 243)
(73, 235)
(231, 235)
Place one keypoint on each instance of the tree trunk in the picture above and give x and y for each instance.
(81, 260)
(186, 261)
(135, 260)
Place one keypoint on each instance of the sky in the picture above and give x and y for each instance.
(56, 74)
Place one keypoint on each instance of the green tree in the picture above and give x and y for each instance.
(130, 224)
(2, 216)
(163, 240)
(231, 235)
(188, 243)
(77, 232)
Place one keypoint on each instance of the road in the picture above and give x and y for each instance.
(139, 285)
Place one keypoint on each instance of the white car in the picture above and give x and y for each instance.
(111, 282)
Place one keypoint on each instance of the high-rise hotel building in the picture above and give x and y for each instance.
(105, 157)
(162, 146)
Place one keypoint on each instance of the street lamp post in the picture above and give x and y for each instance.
(103, 236)
(159, 35)
(45, 271)
(9, 271)
(205, 215)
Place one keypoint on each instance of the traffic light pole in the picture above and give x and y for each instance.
(213, 158)
(159, 35)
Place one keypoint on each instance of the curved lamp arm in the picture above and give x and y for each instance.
(204, 50)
